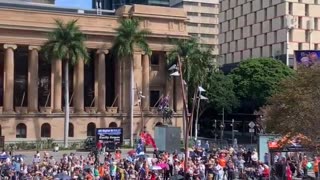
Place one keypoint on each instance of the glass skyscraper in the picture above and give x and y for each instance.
(114, 4)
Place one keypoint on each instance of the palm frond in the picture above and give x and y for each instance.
(66, 42)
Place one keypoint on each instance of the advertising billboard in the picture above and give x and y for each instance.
(112, 138)
(307, 57)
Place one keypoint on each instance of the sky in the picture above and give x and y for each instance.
(83, 4)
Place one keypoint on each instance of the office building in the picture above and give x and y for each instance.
(31, 1)
(203, 20)
(31, 89)
(114, 4)
(267, 28)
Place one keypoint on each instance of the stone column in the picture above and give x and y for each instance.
(57, 86)
(8, 77)
(78, 100)
(146, 82)
(33, 79)
(118, 83)
(101, 80)
(137, 71)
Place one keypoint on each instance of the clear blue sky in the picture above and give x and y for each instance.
(83, 4)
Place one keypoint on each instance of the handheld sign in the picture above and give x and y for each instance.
(112, 138)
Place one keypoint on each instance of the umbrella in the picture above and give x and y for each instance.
(156, 168)
(63, 176)
(163, 165)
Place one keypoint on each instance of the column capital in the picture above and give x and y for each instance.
(34, 48)
(12, 46)
(102, 51)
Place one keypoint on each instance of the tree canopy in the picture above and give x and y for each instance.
(196, 61)
(220, 92)
(294, 109)
(130, 36)
(257, 79)
(66, 42)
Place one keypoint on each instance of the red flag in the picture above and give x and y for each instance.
(148, 140)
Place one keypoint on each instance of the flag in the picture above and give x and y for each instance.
(148, 140)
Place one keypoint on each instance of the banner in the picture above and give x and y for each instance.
(111, 137)
(307, 57)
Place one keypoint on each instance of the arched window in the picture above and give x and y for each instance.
(21, 131)
(46, 130)
(159, 124)
(71, 130)
(91, 129)
(113, 125)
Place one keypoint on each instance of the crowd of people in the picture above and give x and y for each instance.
(204, 163)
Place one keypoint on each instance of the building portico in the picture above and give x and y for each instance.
(31, 89)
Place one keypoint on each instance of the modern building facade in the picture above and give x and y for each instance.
(33, 1)
(267, 28)
(115, 4)
(203, 20)
(31, 89)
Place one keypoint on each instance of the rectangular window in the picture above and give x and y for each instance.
(208, 5)
(192, 14)
(300, 46)
(275, 36)
(316, 23)
(154, 97)
(290, 35)
(290, 8)
(209, 25)
(300, 22)
(193, 24)
(316, 46)
(190, 3)
(155, 58)
(306, 9)
(265, 39)
(307, 35)
(316, 2)
(209, 15)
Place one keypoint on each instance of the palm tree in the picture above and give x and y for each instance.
(193, 62)
(129, 37)
(66, 43)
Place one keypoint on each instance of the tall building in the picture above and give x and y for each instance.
(267, 28)
(31, 89)
(203, 20)
(115, 4)
(35, 1)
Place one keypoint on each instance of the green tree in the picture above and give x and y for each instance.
(66, 43)
(196, 61)
(256, 79)
(220, 92)
(129, 37)
(294, 109)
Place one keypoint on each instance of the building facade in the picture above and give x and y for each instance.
(267, 28)
(115, 4)
(31, 89)
(33, 1)
(203, 20)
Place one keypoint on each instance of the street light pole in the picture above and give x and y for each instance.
(232, 130)
(215, 131)
(186, 114)
(222, 127)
